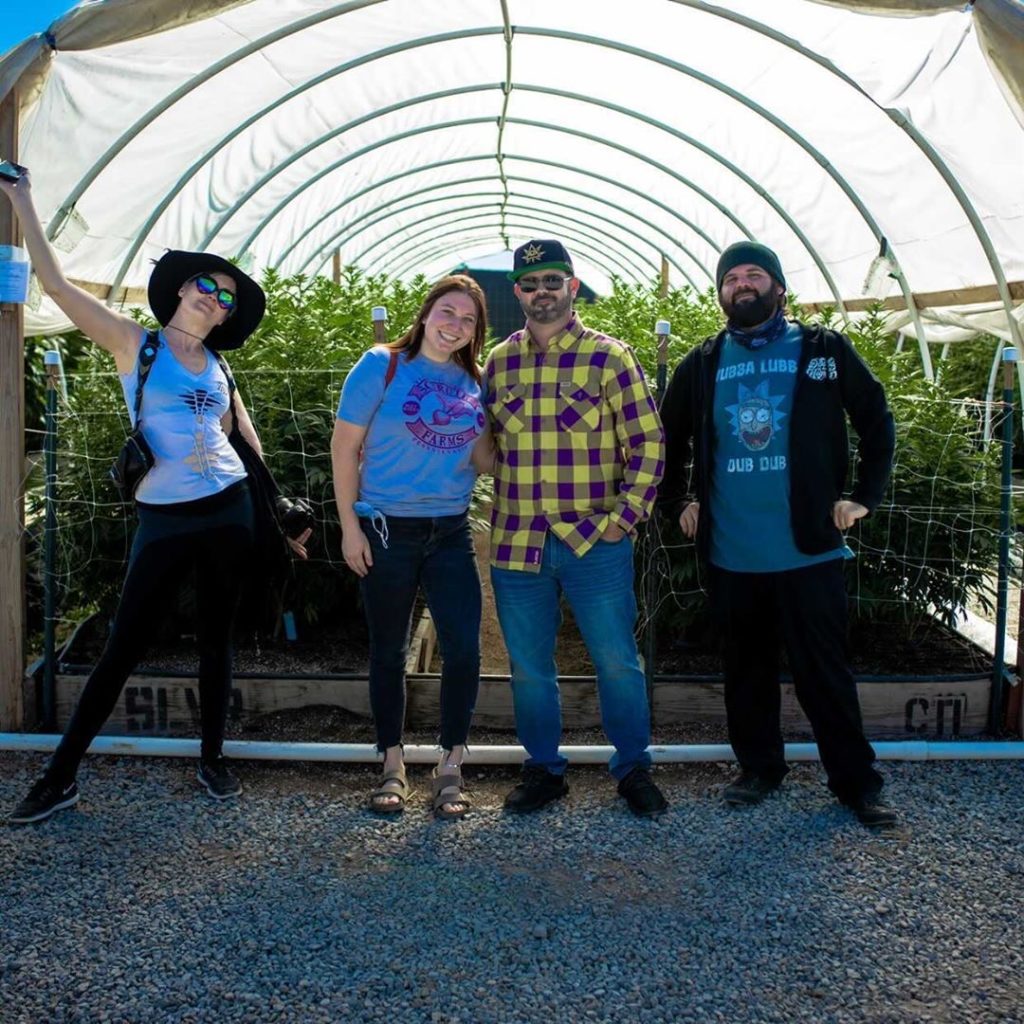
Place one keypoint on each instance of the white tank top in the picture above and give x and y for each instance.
(181, 414)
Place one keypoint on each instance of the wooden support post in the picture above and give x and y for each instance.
(336, 267)
(663, 278)
(12, 460)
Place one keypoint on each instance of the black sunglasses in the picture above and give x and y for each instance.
(550, 283)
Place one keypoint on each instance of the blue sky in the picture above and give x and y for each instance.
(23, 18)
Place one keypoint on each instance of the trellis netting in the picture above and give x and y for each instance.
(412, 135)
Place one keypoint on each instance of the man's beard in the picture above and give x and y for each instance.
(751, 311)
(557, 309)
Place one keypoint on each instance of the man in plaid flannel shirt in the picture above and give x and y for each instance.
(580, 452)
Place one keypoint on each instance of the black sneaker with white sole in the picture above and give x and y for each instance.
(220, 781)
(46, 797)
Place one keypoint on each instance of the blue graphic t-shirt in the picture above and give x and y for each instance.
(751, 529)
(421, 433)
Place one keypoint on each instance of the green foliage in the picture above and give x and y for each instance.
(72, 347)
(933, 543)
(631, 311)
(289, 375)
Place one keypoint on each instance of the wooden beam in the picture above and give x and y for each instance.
(12, 461)
(912, 709)
(926, 300)
(336, 267)
(122, 297)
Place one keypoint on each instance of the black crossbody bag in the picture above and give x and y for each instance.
(277, 517)
(135, 459)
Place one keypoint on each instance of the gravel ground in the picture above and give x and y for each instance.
(150, 903)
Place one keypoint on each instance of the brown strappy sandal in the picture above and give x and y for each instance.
(395, 786)
(447, 789)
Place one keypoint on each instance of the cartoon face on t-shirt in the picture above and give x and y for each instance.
(442, 416)
(749, 502)
(755, 416)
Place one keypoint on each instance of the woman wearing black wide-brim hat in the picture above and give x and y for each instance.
(194, 504)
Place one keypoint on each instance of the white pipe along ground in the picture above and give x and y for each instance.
(366, 753)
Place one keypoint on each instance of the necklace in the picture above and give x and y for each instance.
(169, 327)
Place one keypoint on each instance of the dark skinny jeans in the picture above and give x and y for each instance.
(213, 534)
(435, 553)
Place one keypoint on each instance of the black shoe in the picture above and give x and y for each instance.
(219, 779)
(747, 789)
(872, 813)
(44, 799)
(538, 788)
(643, 796)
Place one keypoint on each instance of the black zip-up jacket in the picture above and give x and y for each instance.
(832, 382)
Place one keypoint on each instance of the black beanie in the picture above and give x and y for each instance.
(748, 252)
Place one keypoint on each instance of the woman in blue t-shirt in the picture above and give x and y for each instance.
(409, 439)
(194, 506)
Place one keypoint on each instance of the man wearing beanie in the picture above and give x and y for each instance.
(761, 410)
(579, 456)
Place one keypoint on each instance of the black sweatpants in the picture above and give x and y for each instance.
(215, 536)
(805, 609)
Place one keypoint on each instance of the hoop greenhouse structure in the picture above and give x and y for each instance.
(876, 146)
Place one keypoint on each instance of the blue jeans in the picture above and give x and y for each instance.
(599, 589)
(435, 553)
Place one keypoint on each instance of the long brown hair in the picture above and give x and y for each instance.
(468, 355)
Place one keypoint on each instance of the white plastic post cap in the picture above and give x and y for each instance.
(51, 357)
(1009, 354)
(662, 327)
(379, 313)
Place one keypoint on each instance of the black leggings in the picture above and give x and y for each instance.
(213, 534)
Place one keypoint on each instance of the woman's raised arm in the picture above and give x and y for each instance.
(113, 331)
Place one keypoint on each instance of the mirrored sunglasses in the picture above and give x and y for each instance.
(208, 286)
(549, 282)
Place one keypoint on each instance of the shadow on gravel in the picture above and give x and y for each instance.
(294, 904)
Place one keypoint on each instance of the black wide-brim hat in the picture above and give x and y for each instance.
(176, 267)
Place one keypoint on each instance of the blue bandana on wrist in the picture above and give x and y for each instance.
(758, 337)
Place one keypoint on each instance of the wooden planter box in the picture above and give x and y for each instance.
(944, 708)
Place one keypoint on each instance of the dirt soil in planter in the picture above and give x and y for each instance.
(877, 649)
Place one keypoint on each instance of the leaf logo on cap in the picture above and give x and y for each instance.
(532, 253)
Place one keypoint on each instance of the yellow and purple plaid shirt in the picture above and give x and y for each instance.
(579, 442)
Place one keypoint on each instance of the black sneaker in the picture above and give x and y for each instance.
(872, 813)
(219, 779)
(538, 788)
(44, 799)
(748, 789)
(643, 796)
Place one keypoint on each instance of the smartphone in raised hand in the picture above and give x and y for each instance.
(10, 171)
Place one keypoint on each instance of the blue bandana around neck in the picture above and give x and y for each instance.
(757, 337)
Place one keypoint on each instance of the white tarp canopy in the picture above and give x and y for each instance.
(412, 135)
